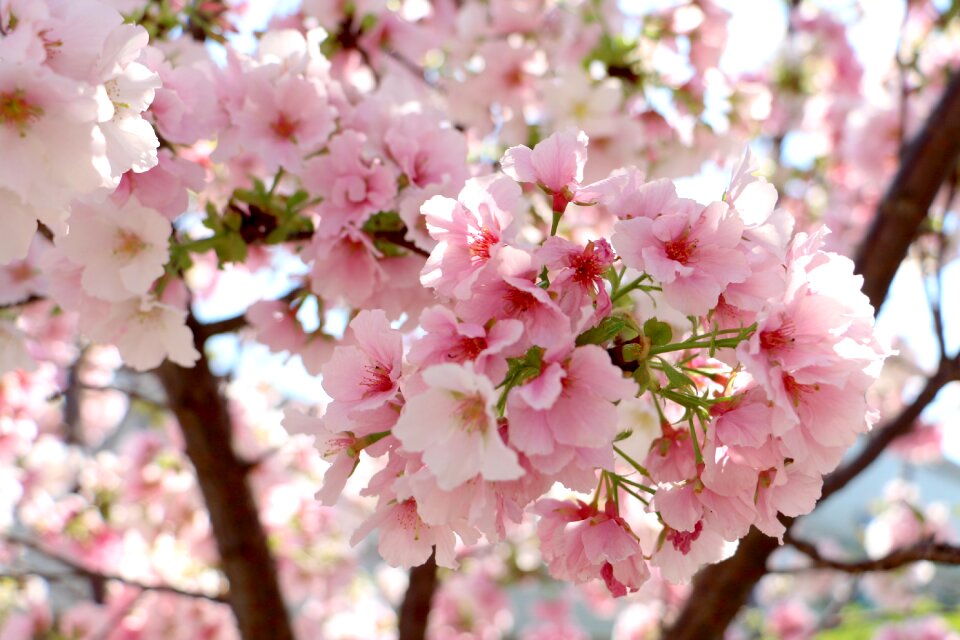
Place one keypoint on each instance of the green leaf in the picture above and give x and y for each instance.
(389, 249)
(297, 200)
(383, 221)
(607, 330)
(676, 378)
(520, 371)
(213, 221)
(659, 333)
(232, 219)
(633, 351)
(231, 248)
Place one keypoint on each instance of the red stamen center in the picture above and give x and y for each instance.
(377, 380)
(479, 244)
(467, 349)
(680, 250)
(682, 540)
(518, 301)
(284, 127)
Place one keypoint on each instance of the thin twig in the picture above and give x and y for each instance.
(22, 303)
(79, 570)
(924, 550)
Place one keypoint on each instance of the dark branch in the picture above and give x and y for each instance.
(949, 371)
(22, 303)
(925, 165)
(928, 550)
(195, 397)
(416, 603)
(202, 332)
(78, 570)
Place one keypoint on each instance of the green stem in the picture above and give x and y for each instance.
(636, 484)
(276, 181)
(627, 288)
(635, 494)
(711, 343)
(696, 443)
(633, 463)
(556, 222)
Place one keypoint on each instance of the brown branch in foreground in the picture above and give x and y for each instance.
(928, 550)
(201, 409)
(925, 165)
(78, 570)
(416, 602)
(721, 590)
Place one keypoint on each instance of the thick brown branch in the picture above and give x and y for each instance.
(201, 409)
(923, 169)
(416, 603)
(720, 590)
(928, 550)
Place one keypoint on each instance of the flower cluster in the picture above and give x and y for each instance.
(691, 370)
(751, 349)
(74, 88)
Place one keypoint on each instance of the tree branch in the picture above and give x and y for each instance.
(22, 303)
(416, 602)
(78, 570)
(201, 409)
(202, 332)
(924, 167)
(948, 371)
(928, 550)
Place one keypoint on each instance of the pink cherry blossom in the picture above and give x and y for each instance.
(448, 340)
(146, 332)
(405, 539)
(454, 424)
(352, 184)
(284, 119)
(364, 376)
(580, 543)
(555, 164)
(469, 232)
(340, 448)
(512, 292)
(694, 257)
(577, 274)
(569, 404)
(122, 249)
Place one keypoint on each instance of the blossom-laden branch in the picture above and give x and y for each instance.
(721, 590)
(76, 569)
(925, 550)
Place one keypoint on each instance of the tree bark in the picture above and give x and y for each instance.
(925, 165)
(721, 590)
(195, 397)
(416, 602)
